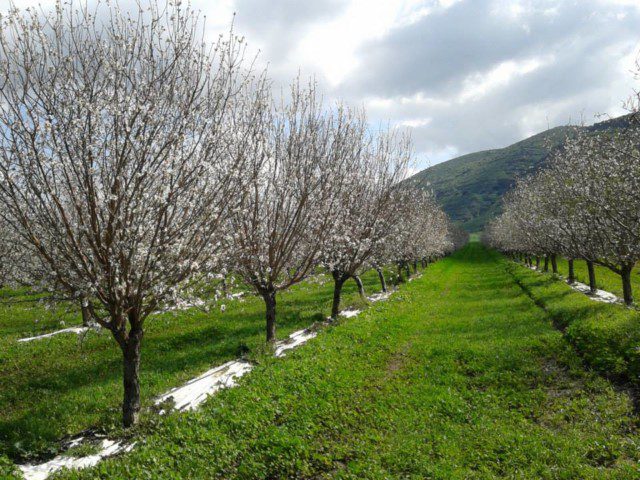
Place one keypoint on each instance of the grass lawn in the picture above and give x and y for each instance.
(459, 375)
(62, 385)
(25, 315)
(605, 278)
(606, 336)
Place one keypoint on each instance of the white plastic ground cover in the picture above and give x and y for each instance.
(41, 471)
(295, 339)
(76, 330)
(376, 297)
(187, 397)
(190, 395)
(598, 295)
(349, 313)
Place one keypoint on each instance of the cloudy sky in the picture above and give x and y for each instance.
(463, 75)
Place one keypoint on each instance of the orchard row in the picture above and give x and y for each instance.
(141, 167)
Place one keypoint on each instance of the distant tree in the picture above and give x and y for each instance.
(423, 232)
(583, 204)
(457, 237)
(368, 207)
(282, 226)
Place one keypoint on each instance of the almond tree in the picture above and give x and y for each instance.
(121, 156)
(605, 182)
(584, 204)
(457, 237)
(423, 232)
(535, 220)
(367, 211)
(282, 227)
(563, 210)
(530, 225)
(13, 257)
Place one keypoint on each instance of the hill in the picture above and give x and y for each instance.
(470, 187)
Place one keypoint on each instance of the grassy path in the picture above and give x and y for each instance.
(459, 375)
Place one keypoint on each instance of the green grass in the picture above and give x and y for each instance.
(605, 278)
(23, 314)
(606, 336)
(65, 384)
(459, 375)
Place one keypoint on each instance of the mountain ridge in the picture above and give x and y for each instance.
(470, 187)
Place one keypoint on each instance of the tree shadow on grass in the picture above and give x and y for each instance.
(57, 397)
(65, 386)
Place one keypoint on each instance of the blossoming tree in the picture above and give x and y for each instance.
(121, 156)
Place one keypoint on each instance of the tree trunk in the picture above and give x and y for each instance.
(592, 277)
(86, 314)
(356, 278)
(546, 263)
(383, 283)
(225, 286)
(572, 274)
(400, 279)
(537, 262)
(407, 269)
(415, 266)
(131, 352)
(625, 273)
(554, 263)
(338, 281)
(270, 302)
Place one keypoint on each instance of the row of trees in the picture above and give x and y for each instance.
(138, 163)
(584, 204)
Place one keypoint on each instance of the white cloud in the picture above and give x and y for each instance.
(415, 122)
(463, 75)
(479, 84)
(332, 47)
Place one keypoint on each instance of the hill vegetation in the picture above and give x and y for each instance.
(470, 187)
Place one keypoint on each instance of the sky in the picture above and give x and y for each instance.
(461, 75)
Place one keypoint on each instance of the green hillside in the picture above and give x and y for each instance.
(470, 187)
